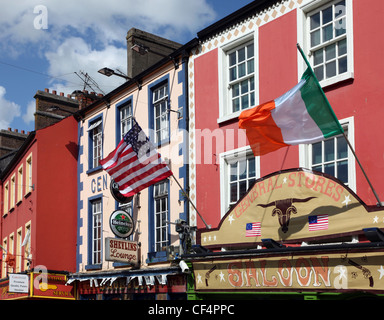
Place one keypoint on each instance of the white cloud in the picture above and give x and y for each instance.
(29, 116)
(8, 110)
(75, 55)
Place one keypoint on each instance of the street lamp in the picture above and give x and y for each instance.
(109, 72)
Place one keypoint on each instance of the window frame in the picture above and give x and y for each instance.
(92, 264)
(226, 158)
(29, 175)
(305, 152)
(225, 96)
(126, 103)
(20, 183)
(309, 8)
(151, 110)
(91, 141)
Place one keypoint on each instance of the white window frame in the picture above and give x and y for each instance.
(226, 158)
(306, 150)
(97, 145)
(308, 8)
(125, 119)
(161, 196)
(97, 231)
(160, 97)
(225, 98)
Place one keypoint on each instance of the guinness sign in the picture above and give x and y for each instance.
(121, 223)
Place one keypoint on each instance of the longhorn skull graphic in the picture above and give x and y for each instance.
(284, 209)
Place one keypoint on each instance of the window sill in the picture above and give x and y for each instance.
(229, 117)
(96, 169)
(93, 267)
(335, 80)
(154, 257)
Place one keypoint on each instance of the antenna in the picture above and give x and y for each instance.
(89, 82)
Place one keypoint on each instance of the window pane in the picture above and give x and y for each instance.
(342, 47)
(318, 57)
(244, 102)
(232, 73)
(233, 192)
(315, 21)
(329, 150)
(242, 70)
(250, 51)
(340, 27)
(319, 72)
(233, 171)
(343, 66)
(330, 52)
(342, 171)
(327, 32)
(236, 90)
(232, 59)
(342, 148)
(236, 105)
(251, 66)
(244, 86)
(316, 153)
(340, 9)
(241, 55)
(327, 15)
(317, 168)
(329, 169)
(315, 38)
(242, 188)
(251, 167)
(242, 169)
(330, 69)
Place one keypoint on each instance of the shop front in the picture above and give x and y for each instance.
(36, 286)
(296, 234)
(155, 284)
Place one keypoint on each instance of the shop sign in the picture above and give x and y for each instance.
(293, 205)
(347, 271)
(18, 283)
(121, 250)
(51, 285)
(121, 223)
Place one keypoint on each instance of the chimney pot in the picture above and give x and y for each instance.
(46, 90)
(54, 91)
(62, 94)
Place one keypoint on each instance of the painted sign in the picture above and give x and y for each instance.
(121, 223)
(343, 271)
(18, 283)
(51, 285)
(293, 205)
(121, 250)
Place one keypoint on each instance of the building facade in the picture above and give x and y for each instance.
(39, 214)
(251, 57)
(156, 100)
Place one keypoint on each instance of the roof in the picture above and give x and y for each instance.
(235, 17)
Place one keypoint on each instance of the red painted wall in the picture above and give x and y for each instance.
(57, 195)
(360, 98)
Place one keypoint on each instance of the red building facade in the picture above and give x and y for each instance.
(249, 58)
(272, 30)
(39, 205)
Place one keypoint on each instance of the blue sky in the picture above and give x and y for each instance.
(44, 42)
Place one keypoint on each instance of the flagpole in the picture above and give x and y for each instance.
(345, 136)
(190, 201)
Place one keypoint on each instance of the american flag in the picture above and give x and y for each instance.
(319, 222)
(253, 229)
(135, 164)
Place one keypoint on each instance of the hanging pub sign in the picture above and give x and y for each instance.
(121, 223)
(114, 187)
(292, 206)
(121, 250)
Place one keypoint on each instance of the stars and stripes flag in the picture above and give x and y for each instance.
(319, 222)
(135, 164)
(253, 229)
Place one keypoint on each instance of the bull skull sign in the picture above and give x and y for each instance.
(284, 209)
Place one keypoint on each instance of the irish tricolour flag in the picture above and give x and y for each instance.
(301, 115)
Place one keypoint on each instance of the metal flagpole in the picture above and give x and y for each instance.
(345, 136)
(190, 201)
